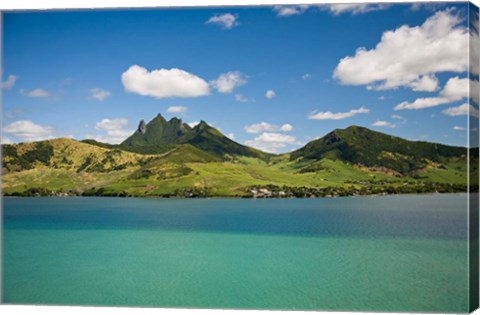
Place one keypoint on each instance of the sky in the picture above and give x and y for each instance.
(271, 77)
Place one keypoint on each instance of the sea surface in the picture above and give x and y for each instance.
(394, 253)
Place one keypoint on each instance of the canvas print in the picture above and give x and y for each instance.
(298, 157)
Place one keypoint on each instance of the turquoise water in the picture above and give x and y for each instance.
(395, 253)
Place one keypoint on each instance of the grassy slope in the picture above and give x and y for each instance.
(186, 167)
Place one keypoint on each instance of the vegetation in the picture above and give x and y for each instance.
(360, 145)
(201, 162)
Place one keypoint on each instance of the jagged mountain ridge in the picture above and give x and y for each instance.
(160, 133)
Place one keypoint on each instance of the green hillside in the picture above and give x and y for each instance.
(168, 158)
(362, 146)
(160, 136)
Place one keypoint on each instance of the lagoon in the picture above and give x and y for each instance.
(404, 253)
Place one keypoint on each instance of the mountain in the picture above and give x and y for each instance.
(158, 131)
(359, 145)
(170, 158)
(160, 136)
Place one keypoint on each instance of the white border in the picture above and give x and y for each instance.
(7, 5)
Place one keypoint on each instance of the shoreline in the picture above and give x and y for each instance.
(234, 197)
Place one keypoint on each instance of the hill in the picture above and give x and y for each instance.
(169, 158)
(359, 145)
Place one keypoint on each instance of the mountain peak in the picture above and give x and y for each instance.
(203, 124)
(175, 120)
(142, 127)
(159, 117)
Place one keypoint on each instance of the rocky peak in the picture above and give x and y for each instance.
(142, 127)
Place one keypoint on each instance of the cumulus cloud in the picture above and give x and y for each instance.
(383, 123)
(316, 115)
(464, 109)
(264, 126)
(227, 82)
(163, 83)
(227, 21)
(409, 55)
(270, 94)
(352, 8)
(286, 127)
(458, 128)
(426, 83)
(289, 10)
(454, 90)
(231, 136)
(111, 124)
(271, 142)
(34, 93)
(9, 83)
(27, 130)
(177, 109)
(114, 129)
(99, 94)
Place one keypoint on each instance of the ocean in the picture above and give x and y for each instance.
(404, 253)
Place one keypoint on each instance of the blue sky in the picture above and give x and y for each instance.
(270, 77)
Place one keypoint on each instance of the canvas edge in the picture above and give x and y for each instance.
(473, 144)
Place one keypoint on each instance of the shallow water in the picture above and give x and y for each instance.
(394, 253)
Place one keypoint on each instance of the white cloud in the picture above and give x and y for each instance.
(264, 126)
(353, 8)
(336, 116)
(270, 94)
(231, 136)
(193, 123)
(271, 142)
(114, 128)
(464, 109)
(454, 90)
(406, 55)
(27, 130)
(227, 82)
(163, 83)
(286, 127)
(34, 93)
(9, 83)
(241, 98)
(227, 21)
(289, 10)
(335, 9)
(426, 83)
(306, 76)
(5, 140)
(398, 117)
(381, 98)
(257, 128)
(474, 42)
(383, 123)
(177, 109)
(458, 128)
(111, 124)
(99, 94)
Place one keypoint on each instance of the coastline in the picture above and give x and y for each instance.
(233, 197)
